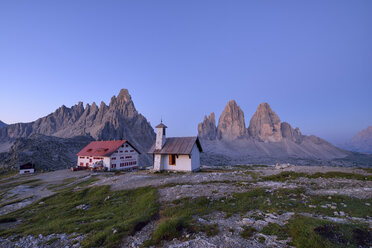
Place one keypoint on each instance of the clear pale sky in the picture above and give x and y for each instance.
(310, 60)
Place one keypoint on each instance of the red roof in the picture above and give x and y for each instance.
(103, 148)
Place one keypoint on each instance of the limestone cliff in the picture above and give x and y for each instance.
(207, 129)
(265, 125)
(289, 133)
(231, 124)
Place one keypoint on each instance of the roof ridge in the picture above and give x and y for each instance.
(183, 137)
(177, 145)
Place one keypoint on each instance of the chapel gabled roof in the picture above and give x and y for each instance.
(161, 125)
(103, 148)
(177, 145)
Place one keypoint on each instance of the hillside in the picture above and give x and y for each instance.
(235, 206)
(46, 152)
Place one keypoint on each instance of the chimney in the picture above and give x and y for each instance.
(160, 136)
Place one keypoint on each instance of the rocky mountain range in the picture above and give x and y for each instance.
(2, 124)
(118, 120)
(266, 140)
(361, 142)
(47, 152)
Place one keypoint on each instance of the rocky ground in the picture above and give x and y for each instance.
(339, 195)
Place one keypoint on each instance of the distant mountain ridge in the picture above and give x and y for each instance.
(267, 138)
(361, 142)
(118, 120)
(2, 124)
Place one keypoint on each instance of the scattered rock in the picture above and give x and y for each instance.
(83, 206)
(282, 166)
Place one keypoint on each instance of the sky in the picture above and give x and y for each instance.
(181, 60)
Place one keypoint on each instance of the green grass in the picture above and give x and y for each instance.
(368, 170)
(251, 167)
(274, 229)
(284, 176)
(7, 173)
(210, 230)
(261, 239)
(32, 183)
(335, 174)
(64, 183)
(309, 232)
(252, 174)
(247, 232)
(290, 175)
(170, 228)
(51, 241)
(14, 201)
(105, 222)
(75, 186)
(257, 216)
(70, 179)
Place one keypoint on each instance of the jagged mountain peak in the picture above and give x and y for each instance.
(124, 94)
(122, 98)
(207, 129)
(231, 103)
(265, 124)
(94, 105)
(292, 134)
(264, 105)
(231, 124)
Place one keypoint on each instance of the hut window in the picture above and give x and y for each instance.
(172, 159)
(164, 131)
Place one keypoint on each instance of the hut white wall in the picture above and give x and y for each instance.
(106, 162)
(26, 171)
(124, 154)
(195, 158)
(183, 163)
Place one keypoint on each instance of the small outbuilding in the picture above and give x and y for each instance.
(27, 168)
(112, 154)
(176, 153)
